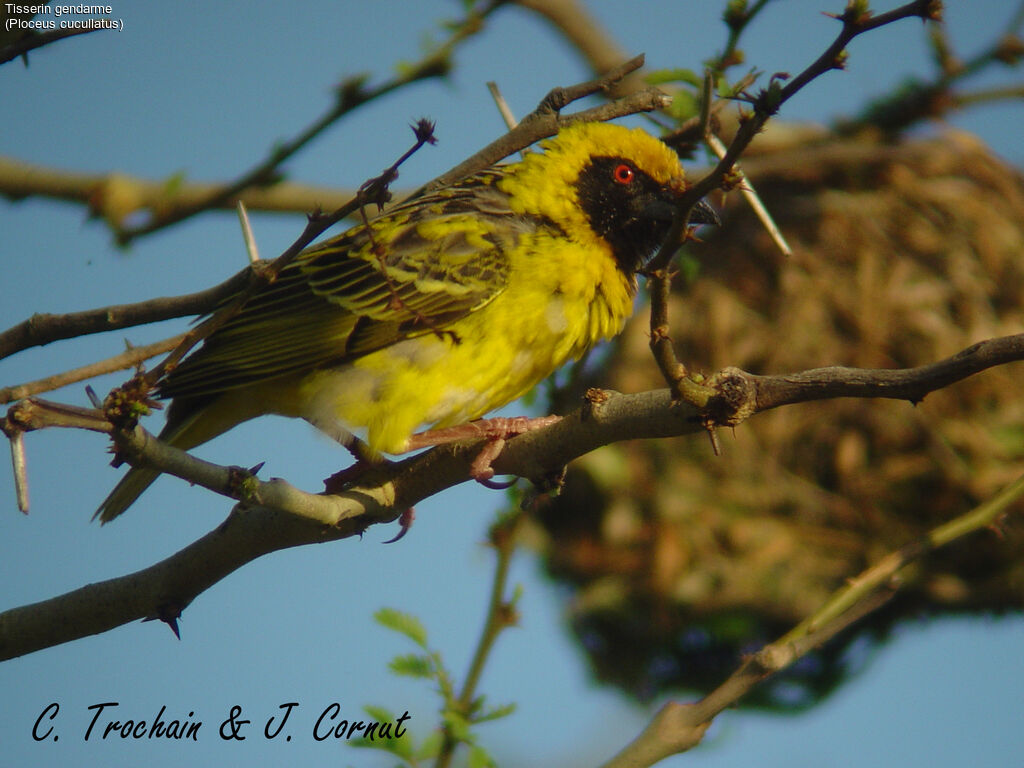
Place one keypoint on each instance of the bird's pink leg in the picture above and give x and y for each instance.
(495, 431)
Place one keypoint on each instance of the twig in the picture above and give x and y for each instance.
(545, 120)
(251, 249)
(350, 95)
(765, 105)
(679, 727)
(500, 615)
(41, 329)
(737, 20)
(130, 357)
(987, 95)
(19, 466)
(38, 40)
(746, 189)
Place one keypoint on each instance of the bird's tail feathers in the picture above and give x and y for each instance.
(194, 429)
(126, 492)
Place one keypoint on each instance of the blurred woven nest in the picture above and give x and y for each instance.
(679, 561)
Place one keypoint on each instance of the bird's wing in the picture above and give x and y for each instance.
(416, 270)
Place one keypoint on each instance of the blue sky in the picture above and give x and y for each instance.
(205, 89)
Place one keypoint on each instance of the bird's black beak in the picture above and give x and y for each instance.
(664, 210)
(703, 213)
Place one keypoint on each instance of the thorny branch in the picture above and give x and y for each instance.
(547, 119)
(165, 589)
(351, 94)
(274, 514)
(133, 356)
(544, 121)
(41, 329)
(765, 105)
(679, 727)
(375, 191)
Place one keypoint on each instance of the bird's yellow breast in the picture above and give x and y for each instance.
(561, 298)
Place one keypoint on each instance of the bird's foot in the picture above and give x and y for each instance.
(495, 431)
(345, 478)
(405, 521)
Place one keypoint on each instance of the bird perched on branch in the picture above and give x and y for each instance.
(446, 307)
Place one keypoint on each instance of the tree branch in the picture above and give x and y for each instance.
(765, 105)
(116, 196)
(545, 121)
(38, 40)
(130, 357)
(679, 727)
(351, 94)
(41, 329)
(274, 515)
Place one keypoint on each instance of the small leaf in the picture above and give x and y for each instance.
(412, 665)
(684, 106)
(404, 623)
(497, 713)
(458, 726)
(174, 184)
(480, 758)
(400, 747)
(380, 714)
(431, 746)
(687, 76)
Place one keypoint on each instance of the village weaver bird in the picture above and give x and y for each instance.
(448, 306)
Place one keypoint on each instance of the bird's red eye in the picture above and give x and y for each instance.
(623, 174)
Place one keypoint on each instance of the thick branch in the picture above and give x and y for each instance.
(276, 515)
(116, 196)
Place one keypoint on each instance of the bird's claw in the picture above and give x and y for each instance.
(405, 521)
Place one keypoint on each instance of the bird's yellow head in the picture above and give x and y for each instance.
(613, 187)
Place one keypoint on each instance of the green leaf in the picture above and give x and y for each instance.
(404, 623)
(412, 665)
(480, 758)
(497, 713)
(431, 746)
(458, 726)
(687, 76)
(400, 747)
(380, 714)
(174, 184)
(684, 106)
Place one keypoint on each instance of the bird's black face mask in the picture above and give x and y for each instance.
(630, 210)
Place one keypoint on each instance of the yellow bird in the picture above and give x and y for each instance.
(448, 306)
